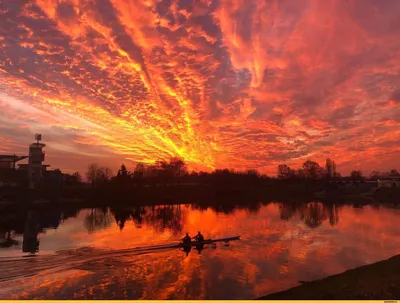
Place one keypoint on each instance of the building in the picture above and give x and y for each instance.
(33, 174)
(9, 161)
(389, 181)
(8, 174)
(35, 166)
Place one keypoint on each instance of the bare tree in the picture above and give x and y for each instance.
(96, 174)
(104, 174)
(92, 173)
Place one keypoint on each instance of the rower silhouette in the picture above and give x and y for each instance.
(187, 239)
(199, 237)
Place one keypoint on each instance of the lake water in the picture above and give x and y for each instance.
(81, 252)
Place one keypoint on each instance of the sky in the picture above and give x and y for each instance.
(242, 84)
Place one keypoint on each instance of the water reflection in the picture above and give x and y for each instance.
(159, 217)
(281, 243)
(97, 219)
(31, 223)
(8, 240)
(313, 213)
(30, 243)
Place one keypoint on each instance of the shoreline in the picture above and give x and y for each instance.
(376, 281)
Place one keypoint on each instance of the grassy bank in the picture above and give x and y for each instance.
(378, 281)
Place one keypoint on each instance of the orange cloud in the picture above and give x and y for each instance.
(219, 83)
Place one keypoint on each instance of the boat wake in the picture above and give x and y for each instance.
(86, 258)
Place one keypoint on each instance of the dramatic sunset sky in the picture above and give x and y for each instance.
(221, 83)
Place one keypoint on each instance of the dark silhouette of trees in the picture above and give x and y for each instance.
(300, 173)
(310, 177)
(356, 175)
(124, 177)
(138, 174)
(104, 174)
(285, 172)
(92, 173)
(309, 170)
(139, 171)
(312, 170)
(178, 167)
(168, 172)
(123, 173)
(375, 175)
(97, 175)
(73, 180)
(175, 167)
(77, 176)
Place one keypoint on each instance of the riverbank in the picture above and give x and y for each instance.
(199, 194)
(377, 281)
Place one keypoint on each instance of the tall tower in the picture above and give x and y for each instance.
(36, 158)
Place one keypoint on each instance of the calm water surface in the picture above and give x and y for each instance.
(80, 252)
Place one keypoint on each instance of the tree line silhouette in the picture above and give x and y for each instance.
(175, 172)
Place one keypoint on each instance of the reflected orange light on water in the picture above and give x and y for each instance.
(280, 245)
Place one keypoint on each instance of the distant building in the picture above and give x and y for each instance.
(35, 166)
(389, 181)
(8, 174)
(34, 174)
(9, 161)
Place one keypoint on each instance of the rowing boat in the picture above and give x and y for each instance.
(140, 249)
(181, 245)
(209, 241)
